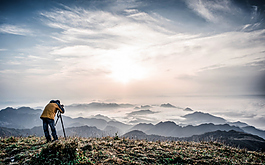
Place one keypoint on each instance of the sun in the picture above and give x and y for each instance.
(125, 69)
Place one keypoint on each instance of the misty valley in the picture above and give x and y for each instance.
(26, 121)
(132, 82)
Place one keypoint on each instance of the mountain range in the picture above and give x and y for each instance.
(24, 117)
(96, 105)
(232, 138)
(25, 121)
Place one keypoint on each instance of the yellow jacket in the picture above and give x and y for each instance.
(50, 111)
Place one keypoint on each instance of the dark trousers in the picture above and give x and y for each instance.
(49, 122)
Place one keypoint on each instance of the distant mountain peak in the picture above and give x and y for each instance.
(166, 123)
(238, 123)
(201, 117)
(167, 105)
(99, 116)
(141, 112)
(188, 109)
(135, 134)
(199, 113)
(136, 131)
(145, 106)
(8, 108)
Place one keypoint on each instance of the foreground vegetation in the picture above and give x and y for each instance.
(115, 150)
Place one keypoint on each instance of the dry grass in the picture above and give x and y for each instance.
(113, 150)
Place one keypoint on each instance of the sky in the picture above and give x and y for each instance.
(110, 50)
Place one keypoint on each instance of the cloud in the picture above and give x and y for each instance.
(140, 120)
(75, 51)
(227, 15)
(79, 24)
(147, 116)
(114, 51)
(230, 15)
(97, 43)
(238, 114)
(210, 10)
(139, 39)
(14, 29)
(258, 122)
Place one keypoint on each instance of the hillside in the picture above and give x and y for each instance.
(169, 128)
(115, 150)
(231, 138)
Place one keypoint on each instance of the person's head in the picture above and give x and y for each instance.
(55, 101)
(58, 101)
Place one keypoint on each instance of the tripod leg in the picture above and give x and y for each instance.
(63, 127)
(57, 120)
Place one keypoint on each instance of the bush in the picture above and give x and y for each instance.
(58, 152)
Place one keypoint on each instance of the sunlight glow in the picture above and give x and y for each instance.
(125, 69)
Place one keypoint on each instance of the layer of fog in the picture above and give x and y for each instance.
(248, 109)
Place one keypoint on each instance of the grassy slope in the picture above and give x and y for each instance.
(110, 150)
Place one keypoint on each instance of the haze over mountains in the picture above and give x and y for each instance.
(25, 121)
(27, 118)
(235, 134)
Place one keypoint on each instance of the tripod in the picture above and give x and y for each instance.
(60, 116)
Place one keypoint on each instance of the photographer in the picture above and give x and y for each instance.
(47, 117)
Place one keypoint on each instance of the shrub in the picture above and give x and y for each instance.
(58, 152)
